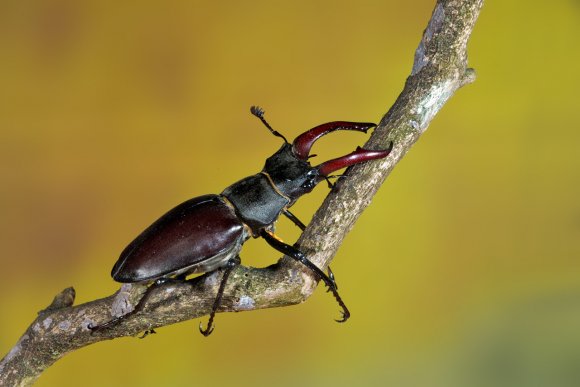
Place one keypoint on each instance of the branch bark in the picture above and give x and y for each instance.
(439, 69)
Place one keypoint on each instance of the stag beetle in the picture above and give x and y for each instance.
(206, 233)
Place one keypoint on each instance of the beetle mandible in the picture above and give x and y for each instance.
(206, 233)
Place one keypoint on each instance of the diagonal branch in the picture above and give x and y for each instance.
(439, 69)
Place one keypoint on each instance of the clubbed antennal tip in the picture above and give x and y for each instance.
(259, 112)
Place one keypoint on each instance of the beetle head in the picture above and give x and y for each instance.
(291, 171)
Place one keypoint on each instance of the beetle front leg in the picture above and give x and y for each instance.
(299, 256)
(302, 227)
(230, 265)
(331, 277)
(294, 219)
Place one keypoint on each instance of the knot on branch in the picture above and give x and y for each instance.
(64, 299)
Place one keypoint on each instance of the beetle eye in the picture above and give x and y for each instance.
(308, 184)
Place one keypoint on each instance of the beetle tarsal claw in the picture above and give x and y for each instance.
(206, 332)
(147, 333)
(345, 316)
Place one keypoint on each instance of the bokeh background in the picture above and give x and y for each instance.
(464, 271)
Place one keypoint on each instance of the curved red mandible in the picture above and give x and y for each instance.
(358, 156)
(303, 143)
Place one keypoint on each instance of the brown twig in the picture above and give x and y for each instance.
(439, 69)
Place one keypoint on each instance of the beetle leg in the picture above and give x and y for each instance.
(138, 308)
(299, 256)
(147, 333)
(233, 262)
(294, 219)
(180, 277)
(331, 277)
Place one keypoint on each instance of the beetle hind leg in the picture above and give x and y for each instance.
(138, 308)
(299, 256)
(230, 265)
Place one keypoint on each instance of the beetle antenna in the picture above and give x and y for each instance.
(330, 183)
(259, 112)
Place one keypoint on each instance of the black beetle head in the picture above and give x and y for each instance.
(293, 175)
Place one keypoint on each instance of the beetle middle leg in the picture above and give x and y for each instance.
(230, 265)
(299, 256)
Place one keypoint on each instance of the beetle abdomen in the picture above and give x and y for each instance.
(196, 236)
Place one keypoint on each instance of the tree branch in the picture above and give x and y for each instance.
(439, 69)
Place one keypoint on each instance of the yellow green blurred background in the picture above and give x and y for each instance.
(464, 271)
